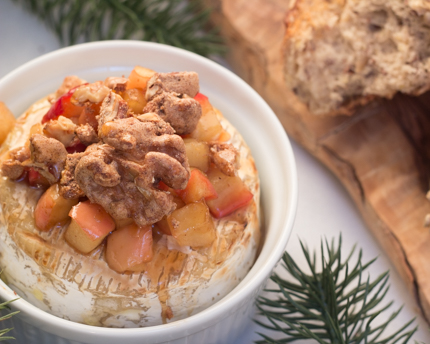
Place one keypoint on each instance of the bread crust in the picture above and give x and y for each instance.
(47, 272)
(342, 54)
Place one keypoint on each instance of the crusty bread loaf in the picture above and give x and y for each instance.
(343, 53)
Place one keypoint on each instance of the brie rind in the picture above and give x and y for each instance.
(44, 270)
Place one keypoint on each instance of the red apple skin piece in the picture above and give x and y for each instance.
(204, 103)
(89, 226)
(232, 193)
(93, 219)
(128, 248)
(52, 209)
(199, 187)
(35, 179)
(192, 225)
(63, 107)
(208, 127)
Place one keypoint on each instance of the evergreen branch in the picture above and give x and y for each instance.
(183, 24)
(334, 305)
(5, 305)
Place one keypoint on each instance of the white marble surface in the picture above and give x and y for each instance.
(324, 208)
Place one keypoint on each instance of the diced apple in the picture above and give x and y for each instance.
(129, 247)
(78, 238)
(163, 225)
(35, 179)
(204, 103)
(52, 209)
(7, 121)
(224, 137)
(139, 77)
(63, 107)
(192, 225)
(199, 187)
(123, 222)
(89, 226)
(36, 129)
(135, 98)
(89, 114)
(232, 193)
(197, 154)
(208, 128)
(61, 129)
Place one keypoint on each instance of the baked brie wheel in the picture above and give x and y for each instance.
(127, 202)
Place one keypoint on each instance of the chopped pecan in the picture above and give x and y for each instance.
(160, 166)
(86, 134)
(61, 129)
(48, 157)
(21, 154)
(93, 93)
(125, 188)
(184, 83)
(225, 156)
(182, 114)
(69, 187)
(134, 137)
(117, 84)
(113, 107)
(13, 167)
(122, 172)
(100, 166)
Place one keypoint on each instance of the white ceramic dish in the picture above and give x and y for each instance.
(245, 109)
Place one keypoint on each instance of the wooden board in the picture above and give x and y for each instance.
(380, 154)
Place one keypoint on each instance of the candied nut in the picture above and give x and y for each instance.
(177, 82)
(61, 129)
(113, 107)
(182, 114)
(21, 154)
(117, 84)
(69, 187)
(86, 134)
(122, 172)
(225, 156)
(94, 93)
(133, 195)
(48, 157)
(100, 166)
(13, 167)
(170, 95)
(135, 137)
(160, 166)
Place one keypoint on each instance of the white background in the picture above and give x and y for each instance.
(324, 208)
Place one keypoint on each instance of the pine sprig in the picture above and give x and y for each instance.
(3, 306)
(335, 305)
(183, 24)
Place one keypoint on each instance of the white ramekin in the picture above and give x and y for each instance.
(245, 109)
